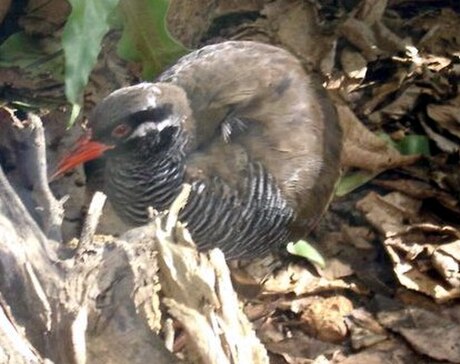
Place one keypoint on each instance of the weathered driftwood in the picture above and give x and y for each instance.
(76, 310)
(29, 141)
(101, 304)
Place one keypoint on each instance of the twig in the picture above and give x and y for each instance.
(177, 205)
(168, 330)
(91, 221)
(32, 155)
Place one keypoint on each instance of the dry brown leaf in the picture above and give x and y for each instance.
(336, 268)
(255, 310)
(396, 217)
(295, 25)
(363, 149)
(412, 278)
(9, 78)
(453, 249)
(387, 352)
(443, 230)
(44, 16)
(427, 332)
(364, 330)
(354, 65)
(446, 260)
(342, 261)
(404, 103)
(453, 312)
(371, 11)
(436, 63)
(359, 34)
(298, 280)
(447, 116)
(301, 349)
(337, 265)
(388, 40)
(388, 213)
(445, 144)
(232, 7)
(359, 236)
(447, 177)
(324, 318)
(412, 298)
(447, 266)
(347, 252)
(292, 278)
(270, 331)
(188, 21)
(421, 190)
(381, 94)
(415, 274)
(440, 30)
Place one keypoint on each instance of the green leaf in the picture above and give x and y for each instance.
(19, 50)
(414, 144)
(146, 38)
(387, 138)
(86, 25)
(304, 249)
(352, 181)
(76, 108)
(409, 145)
(32, 54)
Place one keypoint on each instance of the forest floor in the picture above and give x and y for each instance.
(389, 292)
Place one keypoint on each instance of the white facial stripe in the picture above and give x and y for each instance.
(165, 123)
(150, 126)
(143, 129)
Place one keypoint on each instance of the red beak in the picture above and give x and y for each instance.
(84, 151)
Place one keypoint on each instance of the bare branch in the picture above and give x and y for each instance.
(29, 139)
(91, 221)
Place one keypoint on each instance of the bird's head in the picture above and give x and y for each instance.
(128, 117)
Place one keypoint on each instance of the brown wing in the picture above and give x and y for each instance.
(260, 106)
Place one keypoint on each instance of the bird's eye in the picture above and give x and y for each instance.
(121, 131)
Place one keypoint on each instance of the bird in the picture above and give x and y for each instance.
(255, 136)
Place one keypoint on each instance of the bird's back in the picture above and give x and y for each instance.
(256, 112)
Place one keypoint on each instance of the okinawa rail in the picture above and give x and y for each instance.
(255, 136)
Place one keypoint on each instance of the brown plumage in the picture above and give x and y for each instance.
(242, 122)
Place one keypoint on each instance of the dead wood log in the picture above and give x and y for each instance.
(101, 304)
(76, 310)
